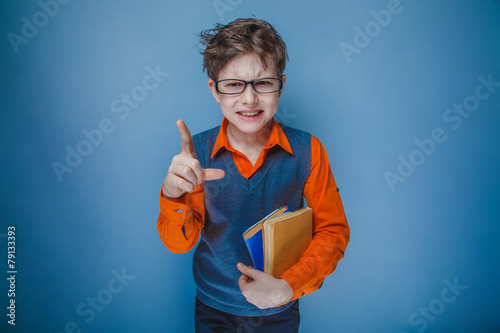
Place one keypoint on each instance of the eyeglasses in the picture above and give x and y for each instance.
(233, 86)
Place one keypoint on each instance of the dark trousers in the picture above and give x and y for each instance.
(210, 320)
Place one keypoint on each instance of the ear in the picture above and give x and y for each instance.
(211, 85)
(283, 77)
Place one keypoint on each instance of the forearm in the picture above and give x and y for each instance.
(319, 261)
(180, 221)
(330, 229)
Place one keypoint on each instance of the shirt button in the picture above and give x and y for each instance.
(179, 211)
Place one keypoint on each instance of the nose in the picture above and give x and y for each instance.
(249, 95)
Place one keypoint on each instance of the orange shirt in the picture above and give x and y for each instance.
(180, 221)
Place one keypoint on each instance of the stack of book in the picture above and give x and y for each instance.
(279, 240)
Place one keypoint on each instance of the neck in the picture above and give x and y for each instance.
(248, 141)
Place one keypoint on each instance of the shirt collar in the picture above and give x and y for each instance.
(277, 137)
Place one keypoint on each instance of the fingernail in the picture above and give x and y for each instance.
(240, 265)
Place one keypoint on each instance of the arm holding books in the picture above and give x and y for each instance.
(330, 229)
(329, 240)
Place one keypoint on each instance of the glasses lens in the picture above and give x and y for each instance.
(231, 86)
(267, 85)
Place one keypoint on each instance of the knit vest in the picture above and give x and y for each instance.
(233, 204)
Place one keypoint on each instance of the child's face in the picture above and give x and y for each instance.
(249, 112)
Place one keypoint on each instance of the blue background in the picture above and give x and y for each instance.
(441, 223)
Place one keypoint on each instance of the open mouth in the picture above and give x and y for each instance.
(250, 114)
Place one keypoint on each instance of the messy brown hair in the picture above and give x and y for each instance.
(251, 35)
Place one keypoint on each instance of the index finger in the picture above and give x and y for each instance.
(186, 139)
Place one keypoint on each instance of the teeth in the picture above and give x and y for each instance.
(249, 114)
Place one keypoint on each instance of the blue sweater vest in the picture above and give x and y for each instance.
(233, 204)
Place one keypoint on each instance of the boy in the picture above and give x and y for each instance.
(227, 178)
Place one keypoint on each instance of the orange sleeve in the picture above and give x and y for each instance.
(330, 229)
(180, 221)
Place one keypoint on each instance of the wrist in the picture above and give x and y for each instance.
(286, 291)
(168, 197)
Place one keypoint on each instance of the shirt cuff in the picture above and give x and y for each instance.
(177, 209)
(299, 287)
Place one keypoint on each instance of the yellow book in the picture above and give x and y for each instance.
(285, 238)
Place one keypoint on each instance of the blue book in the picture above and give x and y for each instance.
(253, 239)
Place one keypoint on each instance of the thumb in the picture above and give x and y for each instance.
(213, 174)
(248, 271)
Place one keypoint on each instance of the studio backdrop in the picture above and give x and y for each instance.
(404, 95)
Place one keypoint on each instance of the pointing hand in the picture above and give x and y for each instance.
(185, 172)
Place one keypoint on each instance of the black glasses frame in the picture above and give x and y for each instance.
(251, 83)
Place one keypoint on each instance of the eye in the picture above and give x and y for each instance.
(262, 83)
(233, 84)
